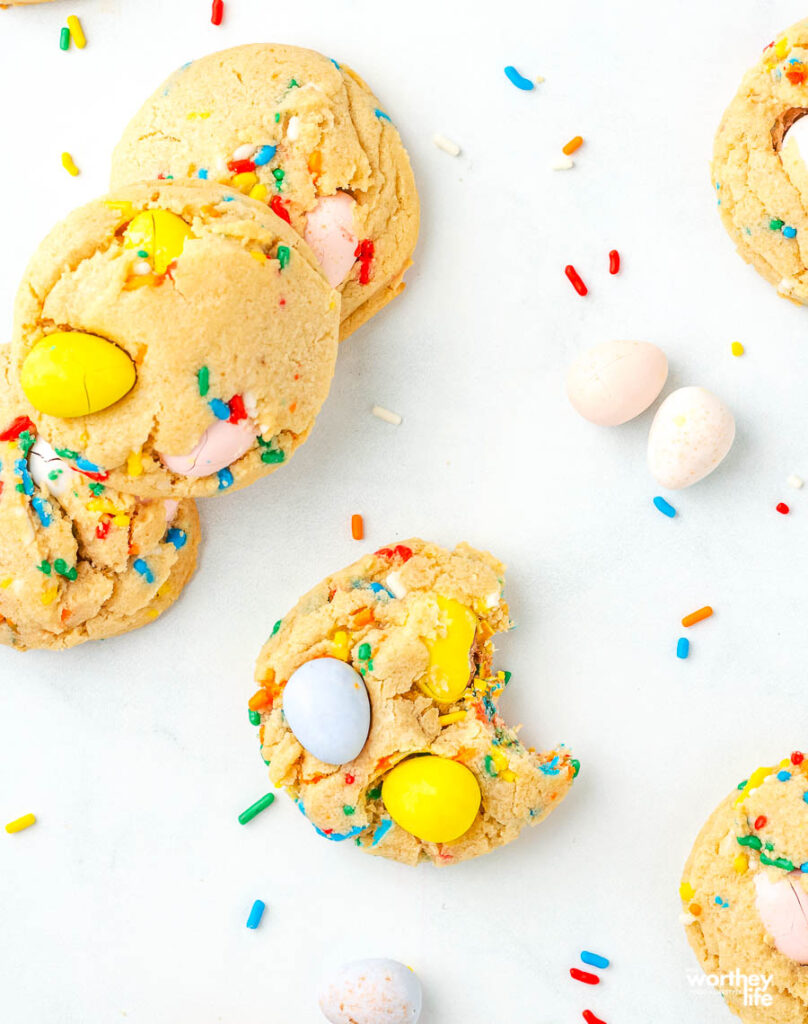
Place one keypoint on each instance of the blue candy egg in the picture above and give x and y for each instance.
(326, 706)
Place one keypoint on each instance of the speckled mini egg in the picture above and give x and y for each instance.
(692, 432)
(615, 381)
(326, 706)
(372, 992)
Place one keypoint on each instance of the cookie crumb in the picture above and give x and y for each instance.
(795, 481)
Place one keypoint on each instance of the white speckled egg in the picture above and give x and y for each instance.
(327, 708)
(615, 381)
(47, 469)
(372, 992)
(691, 433)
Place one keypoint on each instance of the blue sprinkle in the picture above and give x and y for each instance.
(21, 466)
(228, 199)
(381, 114)
(176, 537)
(804, 868)
(594, 960)
(335, 837)
(87, 466)
(256, 914)
(518, 80)
(264, 155)
(784, 776)
(225, 479)
(682, 647)
(720, 902)
(202, 173)
(805, 797)
(551, 768)
(789, 232)
(334, 63)
(377, 588)
(221, 410)
(140, 566)
(42, 509)
(381, 832)
(664, 507)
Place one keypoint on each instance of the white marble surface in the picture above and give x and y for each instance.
(128, 900)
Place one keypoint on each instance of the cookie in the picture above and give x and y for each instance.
(175, 339)
(302, 133)
(745, 896)
(759, 170)
(78, 560)
(378, 709)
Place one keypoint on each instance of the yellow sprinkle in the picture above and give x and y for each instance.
(737, 348)
(756, 779)
(103, 505)
(687, 892)
(259, 191)
(340, 645)
(508, 776)
(201, 114)
(6, 583)
(134, 464)
(258, 256)
(165, 589)
(453, 716)
(153, 613)
(76, 31)
(49, 595)
(26, 821)
(69, 166)
(741, 864)
(120, 520)
(121, 205)
(781, 47)
(244, 182)
(500, 761)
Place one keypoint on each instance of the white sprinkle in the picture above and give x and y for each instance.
(141, 268)
(564, 163)
(787, 286)
(244, 152)
(293, 128)
(446, 145)
(394, 584)
(686, 918)
(493, 599)
(386, 415)
(795, 481)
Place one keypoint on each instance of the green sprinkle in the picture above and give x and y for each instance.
(507, 675)
(66, 453)
(778, 862)
(752, 841)
(26, 441)
(276, 627)
(143, 254)
(576, 767)
(256, 808)
(61, 568)
(203, 380)
(489, 766)
(255, 717)
(770, 847)
(364, 651)
(97, 489)
(348, 810)
(776, 224)
(370, 665)
(64, 38)
(54, 474)
(45, 567)
(293, 84)
(743, 784)
(273, 455)
(283, 256)
(278, 174)
(374, 794)
(277, 117)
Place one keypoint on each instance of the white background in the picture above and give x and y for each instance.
(128, 900)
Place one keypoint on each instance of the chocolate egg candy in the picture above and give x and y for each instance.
(372, 992)
(327, 708)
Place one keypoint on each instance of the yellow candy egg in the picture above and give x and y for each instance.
(433, 798)
(449, 664)
(71, 374)
(159, 233)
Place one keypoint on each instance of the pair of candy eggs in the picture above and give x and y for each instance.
(71, 373)
(327, 708)
(692, 430)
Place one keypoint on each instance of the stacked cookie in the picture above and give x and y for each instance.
(178, 338)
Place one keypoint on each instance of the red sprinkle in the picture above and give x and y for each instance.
(584, 976)
(237, 410)
(277, 207)
(98, 477)
(614, 262)
(102, 530)
(797, 757)
(19, 426)
(350, 779)
(761, 822)
(240, 166)
(217, 12)
(399, 551)
(782, 508)
(590, 1018)
(575, 280)
(364, 252)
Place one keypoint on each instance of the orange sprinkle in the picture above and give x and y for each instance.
(572, 145)
(259, 701)
(315, 162)
(695, 909)
(357, 527)
(261, 732)
(363, 617)
(65, 615)
(694, 617)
